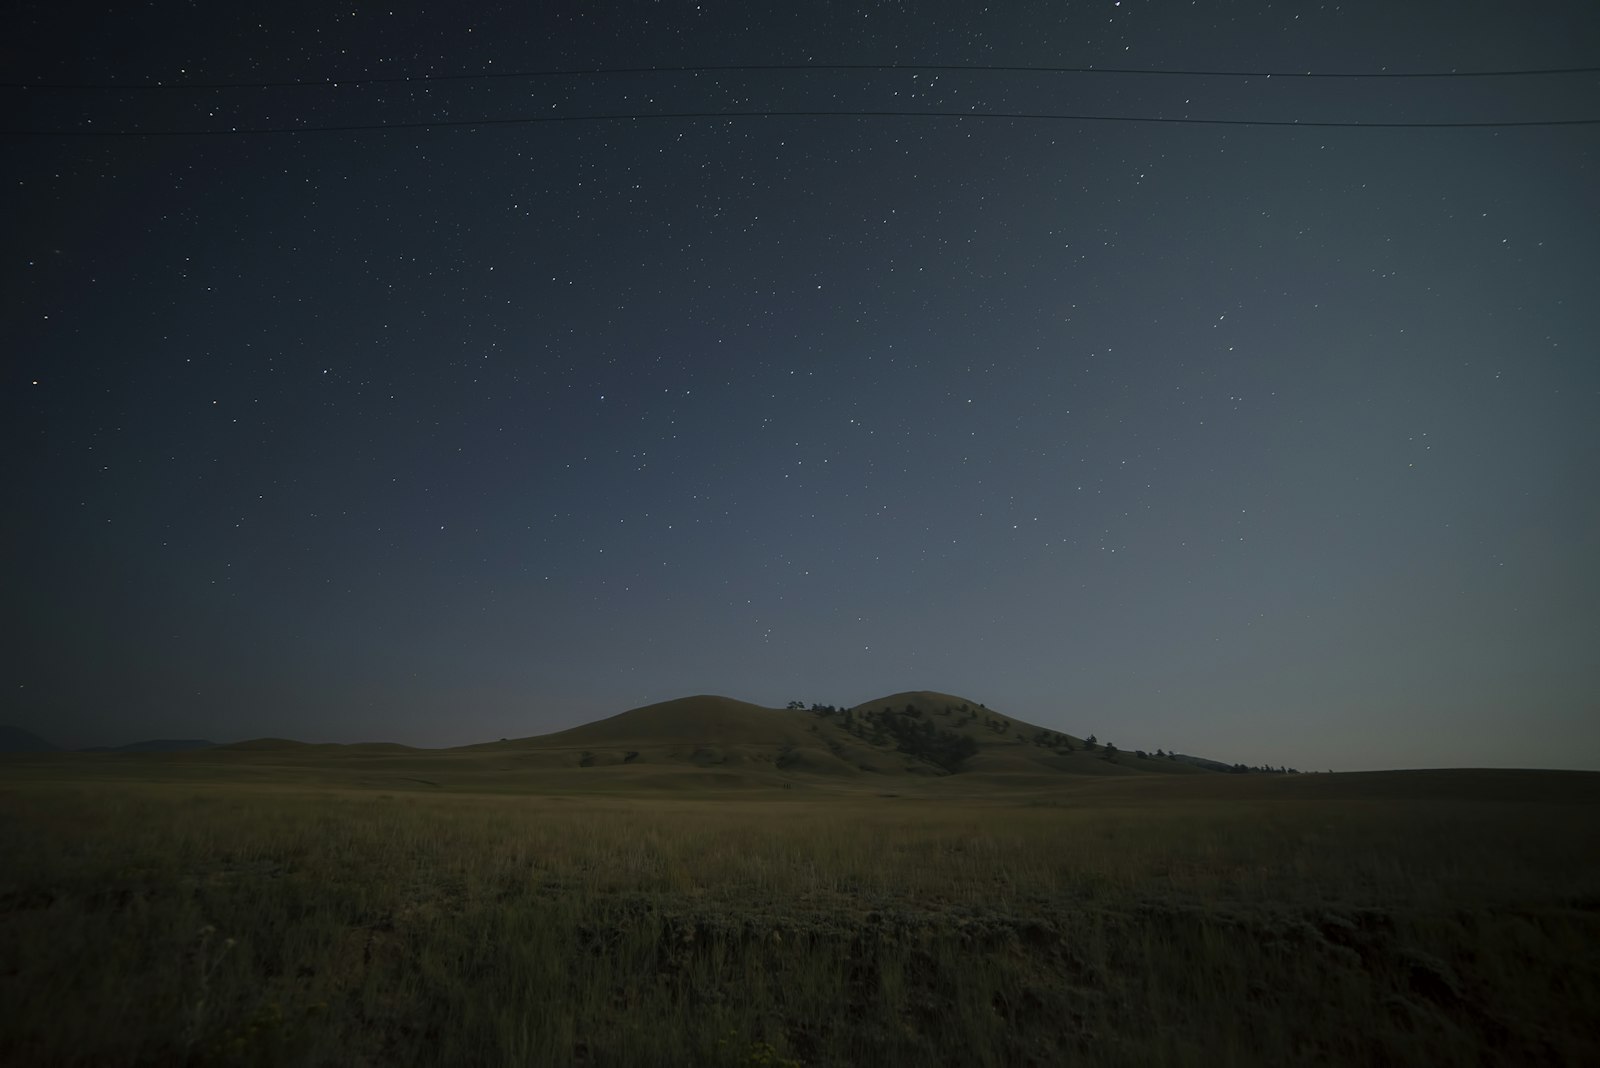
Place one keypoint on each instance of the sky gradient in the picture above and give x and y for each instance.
(1271, 445)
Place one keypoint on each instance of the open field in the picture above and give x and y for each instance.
(1441, 918)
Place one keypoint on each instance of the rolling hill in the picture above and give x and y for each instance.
(706, 741)
(918, 733)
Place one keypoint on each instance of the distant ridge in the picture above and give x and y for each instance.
(256, 745)
(154, 745)
(271, 745)
(17, 740)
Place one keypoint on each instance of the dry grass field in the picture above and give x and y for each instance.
(158, 912)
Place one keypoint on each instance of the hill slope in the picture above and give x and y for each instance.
(1001, 744)
(698, 742)
(918, 732)
(704, 718)
(710, 731)
(17, 740)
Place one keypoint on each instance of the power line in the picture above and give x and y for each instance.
(700, 115)
(744, 68)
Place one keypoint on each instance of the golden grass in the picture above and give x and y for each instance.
(1324, 919)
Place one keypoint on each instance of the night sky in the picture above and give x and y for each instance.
(1274, 445)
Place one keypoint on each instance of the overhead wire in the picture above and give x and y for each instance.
(862, 114)
(746, 68)
(234, 131)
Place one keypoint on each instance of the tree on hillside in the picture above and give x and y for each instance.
(919, 737)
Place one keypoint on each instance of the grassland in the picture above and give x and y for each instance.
(153, 913)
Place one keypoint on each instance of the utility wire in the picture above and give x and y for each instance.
(698, 115)
(740, 68)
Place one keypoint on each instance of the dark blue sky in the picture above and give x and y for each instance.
(1270, 444)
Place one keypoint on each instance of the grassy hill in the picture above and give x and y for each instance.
(700, 742)
(705, 718)
(713, 732)
(915, 733)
